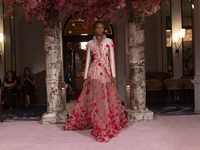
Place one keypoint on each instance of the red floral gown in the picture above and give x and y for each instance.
(98, 105)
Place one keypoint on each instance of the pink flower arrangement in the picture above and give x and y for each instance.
(89, 10)
(150, 6)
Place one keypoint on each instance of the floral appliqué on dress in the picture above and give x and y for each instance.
(98, 106)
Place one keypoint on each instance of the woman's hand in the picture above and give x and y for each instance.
(114, 81)
(32, 82)
(12, 84)
(85, 84)
(6, 85)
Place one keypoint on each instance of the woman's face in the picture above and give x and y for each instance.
(27, 72)
(9, 74)
(99, 29)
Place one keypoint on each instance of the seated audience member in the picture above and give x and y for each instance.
(9, 85)
(28, 85)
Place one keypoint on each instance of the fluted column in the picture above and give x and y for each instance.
(55, 112)
(136, 48)
(196, 46)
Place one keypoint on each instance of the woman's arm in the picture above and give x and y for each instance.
(22, 81)
(10, 84)
(6, 85)
(32, 82)
(14, 83)
(112, 59)
(88, 60)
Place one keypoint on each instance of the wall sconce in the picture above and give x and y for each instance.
(1, 41)
(175, 39)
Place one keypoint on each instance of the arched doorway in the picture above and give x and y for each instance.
(75, 38)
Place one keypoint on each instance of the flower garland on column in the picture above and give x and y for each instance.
(89, 10)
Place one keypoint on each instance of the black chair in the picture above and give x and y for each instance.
(153, 85)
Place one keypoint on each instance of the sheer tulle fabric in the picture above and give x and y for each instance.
(98, 107)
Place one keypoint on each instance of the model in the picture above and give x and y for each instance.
(98, 106)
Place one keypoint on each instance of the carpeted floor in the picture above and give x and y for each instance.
(164, 133)
(173, 109)
(18, 114)
(76, 94)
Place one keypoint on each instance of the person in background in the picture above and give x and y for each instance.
(28, 85)
(9, 85)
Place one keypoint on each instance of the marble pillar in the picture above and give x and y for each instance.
(196, 36)
(55, 110)
(136, 47)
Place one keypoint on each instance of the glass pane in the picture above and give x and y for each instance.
(188, 53)
(78, 64)
(166, 35)
(168, 38)
(187, 41)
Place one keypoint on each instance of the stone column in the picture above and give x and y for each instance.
(136, 47)
(196, 46)
(55, 112)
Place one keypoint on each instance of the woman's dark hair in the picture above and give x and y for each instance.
(30, 74)
(97, 23)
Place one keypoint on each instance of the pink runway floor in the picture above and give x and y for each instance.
(164, 133)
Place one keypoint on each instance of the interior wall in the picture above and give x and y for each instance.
(18, 14)
(159, 40)
(151, 44)
(31, 45)
(30, 51)
(120, 52)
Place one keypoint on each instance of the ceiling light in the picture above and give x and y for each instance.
(84, 34)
